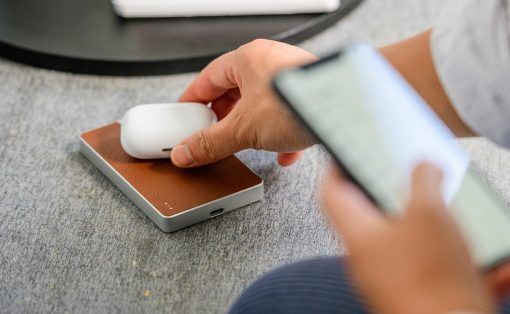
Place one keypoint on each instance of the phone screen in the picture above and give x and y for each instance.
(379, 129)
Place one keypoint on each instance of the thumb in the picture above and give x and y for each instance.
(206, 146)
(426, 188)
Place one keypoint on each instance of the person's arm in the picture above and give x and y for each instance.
(413, 59)
(238, 86)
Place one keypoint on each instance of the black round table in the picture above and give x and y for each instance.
(86, 36)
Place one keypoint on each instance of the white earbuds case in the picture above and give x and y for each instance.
(151, 131)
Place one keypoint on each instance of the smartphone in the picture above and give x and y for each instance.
(378, 129)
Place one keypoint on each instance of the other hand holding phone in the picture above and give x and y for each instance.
(414, 263)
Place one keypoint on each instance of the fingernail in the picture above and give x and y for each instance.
(181, 156)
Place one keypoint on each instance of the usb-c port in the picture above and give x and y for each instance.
(216, 212)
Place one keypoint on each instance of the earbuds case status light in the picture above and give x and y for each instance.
(151, 131)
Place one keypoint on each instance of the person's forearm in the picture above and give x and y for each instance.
(413, 59)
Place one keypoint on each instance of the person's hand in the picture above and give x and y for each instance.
(237, 85)
(413, 263)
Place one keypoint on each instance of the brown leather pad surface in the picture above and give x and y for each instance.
(169, 189)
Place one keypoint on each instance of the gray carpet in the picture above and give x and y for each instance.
(71, 242)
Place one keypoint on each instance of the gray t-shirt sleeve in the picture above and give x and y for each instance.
(471, 51)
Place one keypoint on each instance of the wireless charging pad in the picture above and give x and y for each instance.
(171, 197)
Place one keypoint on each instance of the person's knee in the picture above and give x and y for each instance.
(314, 286)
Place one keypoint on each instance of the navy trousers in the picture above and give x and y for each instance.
(315, 286)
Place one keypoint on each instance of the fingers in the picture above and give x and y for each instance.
(206, 146)
(217, 84)
(426, 190)
(351, 212)
(223, 105)
(287, 159)
(214, 80)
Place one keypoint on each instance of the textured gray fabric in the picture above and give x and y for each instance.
(472, 39)
(71, 242)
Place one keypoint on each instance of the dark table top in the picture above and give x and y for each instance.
(88, 37)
